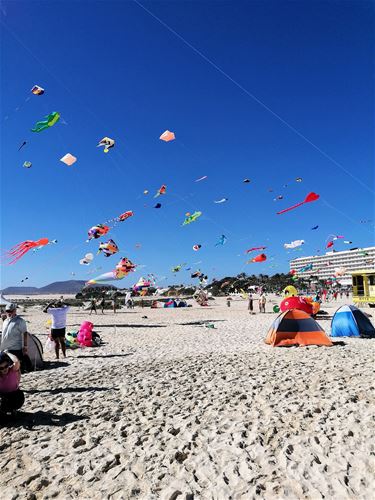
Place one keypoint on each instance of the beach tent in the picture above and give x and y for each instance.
(35, 351)
(295, 327)
(349, 321)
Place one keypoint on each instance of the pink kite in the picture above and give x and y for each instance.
(19, 250)
(255, 248)
(167, 136)
(309, 198)
(329, 244)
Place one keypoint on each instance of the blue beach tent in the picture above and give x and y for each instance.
(349, 321)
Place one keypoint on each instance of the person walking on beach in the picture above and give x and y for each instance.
(14, 337)
(114, 304)
(250, 305)
(58, 311)
(102, 304)
(93, 306)
(11, 396)
(262, 303)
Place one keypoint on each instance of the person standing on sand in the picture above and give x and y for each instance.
(58, 311)
(14, 337)
(102, 304)
(262, 303)
(93, 306)
(250, 305)
(114, 304)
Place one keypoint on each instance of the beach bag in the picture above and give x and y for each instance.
(50, 345)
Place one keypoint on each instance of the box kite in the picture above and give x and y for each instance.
(167, 136)
(68, 159)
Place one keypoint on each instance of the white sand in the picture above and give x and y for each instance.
(169, 410)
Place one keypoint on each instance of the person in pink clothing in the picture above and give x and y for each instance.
(11, 396)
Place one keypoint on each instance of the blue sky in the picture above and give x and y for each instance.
(112, 69)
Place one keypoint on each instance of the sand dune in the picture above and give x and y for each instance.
(168, 408)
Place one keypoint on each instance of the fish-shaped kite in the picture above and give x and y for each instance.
(108, 248)
(259, 258)
(50, 120)
(161, 190)
(222, 200)
(123, 268)
(125, 215)
(97, 231)
(191, 217)
(294, 244)
(309, 198)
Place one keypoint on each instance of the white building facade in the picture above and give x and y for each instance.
(339, 264)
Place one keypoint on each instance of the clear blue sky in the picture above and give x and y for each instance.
(112, 69)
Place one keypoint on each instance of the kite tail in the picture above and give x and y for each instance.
(290, 208)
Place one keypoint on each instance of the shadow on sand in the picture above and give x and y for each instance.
(64, 390)
(202, 322)
(39, 418)
(106, 355)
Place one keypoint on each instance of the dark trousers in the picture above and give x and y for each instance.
(26, 365)
(11, 400)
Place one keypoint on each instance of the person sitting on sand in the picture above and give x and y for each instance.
(58, 311)
(11, 396)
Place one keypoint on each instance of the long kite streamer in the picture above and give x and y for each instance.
(309, 198)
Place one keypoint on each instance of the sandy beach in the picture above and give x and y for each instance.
(168, 408)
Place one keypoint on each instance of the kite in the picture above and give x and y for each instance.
(27, 164)
(51, 242)
(161, 190)
(123, 268)
(125, 215)
(24, 279)
(158, 205)
(145, 191)
(87, 259)
(167, 136)
(280, 197)
(19, 250)
(259, 258)
(143, 284)
(348, 242)
(36, 90)
(22, 145)
(315, 227)
(255, 248)
(176, 269)
(222, 240)
(309, 198)
(329, 244)
(68, 159)
(191, 217)
(246, 181)
(196, 247)
(108, 248)
(97, 231)
(294, 244)
(50, 120)
(201, 178)
(298, 179)
(306, 268)
(107, 142)
(221, 201)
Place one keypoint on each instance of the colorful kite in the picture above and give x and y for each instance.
(294, 244)
(196, 247)
(97, 231)
(309, 198)
(167, 136)
(50, 120)
(36, 90)
(176, 269)
(125, 215)
(191, 217)
(27, 164)
(19, 250)
(107, 142)
(123, 268)
(201, 178)
(161, 190)
(87, 259)
(259, 258)
(68, 159)
(222, 240)
(223, 200)
(108, 248)
(255, 248)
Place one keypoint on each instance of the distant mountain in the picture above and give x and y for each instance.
(63, 287)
